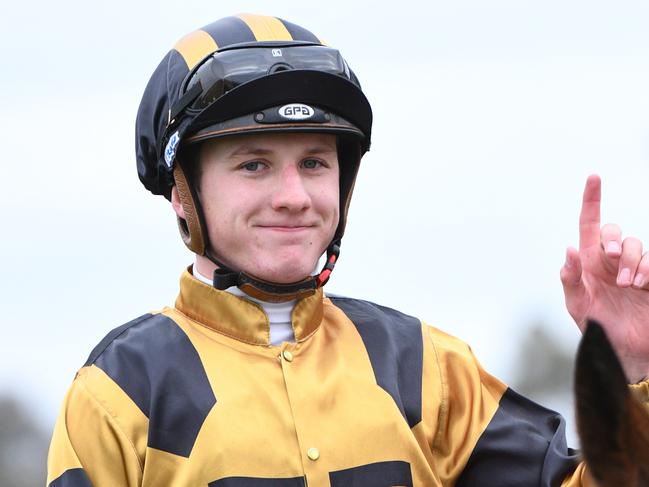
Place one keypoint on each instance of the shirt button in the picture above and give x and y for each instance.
(313, 453)
(288, 356)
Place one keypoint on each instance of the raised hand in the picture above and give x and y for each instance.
(607, 279)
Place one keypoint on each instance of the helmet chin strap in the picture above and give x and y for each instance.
(225, 277)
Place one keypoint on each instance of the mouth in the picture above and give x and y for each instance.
(286, 228)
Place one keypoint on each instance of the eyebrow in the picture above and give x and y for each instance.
(247, 150)
(320, 149)
(252, 150)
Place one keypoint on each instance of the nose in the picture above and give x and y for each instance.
(290, 192)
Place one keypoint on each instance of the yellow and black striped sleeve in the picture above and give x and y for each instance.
(487, 433)
(142, 387)
(89, 446)
(101, 433)
(64, 466)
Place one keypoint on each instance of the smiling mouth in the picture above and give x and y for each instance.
(286, 228)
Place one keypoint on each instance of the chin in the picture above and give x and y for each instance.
(286, 274)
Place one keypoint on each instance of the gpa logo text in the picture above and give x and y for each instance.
(296, 111)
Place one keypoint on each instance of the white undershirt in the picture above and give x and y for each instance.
(279, 314)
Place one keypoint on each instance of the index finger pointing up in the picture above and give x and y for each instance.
(589, 219)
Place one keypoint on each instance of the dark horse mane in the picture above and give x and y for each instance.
(613, 426)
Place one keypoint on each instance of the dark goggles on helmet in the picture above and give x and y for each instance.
(235, 65)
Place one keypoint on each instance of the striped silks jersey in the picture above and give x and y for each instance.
(194, 395)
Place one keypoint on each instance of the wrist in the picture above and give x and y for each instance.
(636, 372)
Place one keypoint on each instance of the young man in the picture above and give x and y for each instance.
(254, 130)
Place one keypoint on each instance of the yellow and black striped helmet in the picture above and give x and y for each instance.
(246, 74)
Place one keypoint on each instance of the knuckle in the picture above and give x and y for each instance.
(611, 229)
(644, 264)
(632, 243)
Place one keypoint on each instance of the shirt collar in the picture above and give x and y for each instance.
(239, 317)
(276, 312)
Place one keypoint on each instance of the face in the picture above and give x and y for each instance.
(271, 202)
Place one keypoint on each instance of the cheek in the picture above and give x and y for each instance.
(218, 212)
(329, 204)
(228, 217)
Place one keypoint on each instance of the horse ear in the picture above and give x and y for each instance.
(600, 372)
(601, 398)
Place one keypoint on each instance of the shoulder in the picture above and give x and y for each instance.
(364, 312)
(117, 335)
(149, 353)
(388, 324)
(374, 318)
(388, 332)
(140, 339)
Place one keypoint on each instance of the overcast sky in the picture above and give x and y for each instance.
(488, 118)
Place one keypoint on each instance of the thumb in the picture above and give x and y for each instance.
(573, 285)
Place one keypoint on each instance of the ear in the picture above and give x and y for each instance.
(175, 203)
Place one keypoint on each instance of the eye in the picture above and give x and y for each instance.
(311, 163)
(253, 166)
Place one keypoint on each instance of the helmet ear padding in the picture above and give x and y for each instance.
(350, 153)
(191, 229)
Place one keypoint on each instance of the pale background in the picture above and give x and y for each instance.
(488, 118)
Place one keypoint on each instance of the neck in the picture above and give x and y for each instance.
(205, 267)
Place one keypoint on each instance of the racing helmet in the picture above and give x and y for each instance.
(240, 75)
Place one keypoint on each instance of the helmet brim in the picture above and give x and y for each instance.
(248, 125)
(350, 110)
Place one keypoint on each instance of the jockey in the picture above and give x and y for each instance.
(254, 130)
